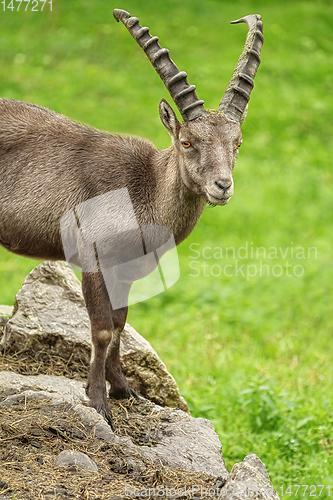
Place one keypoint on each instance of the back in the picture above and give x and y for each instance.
(49, 164)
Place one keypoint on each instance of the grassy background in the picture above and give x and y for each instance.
(253, 355)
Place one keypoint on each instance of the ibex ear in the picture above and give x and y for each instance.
(169, 119)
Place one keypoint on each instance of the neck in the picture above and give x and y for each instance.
(179, 208)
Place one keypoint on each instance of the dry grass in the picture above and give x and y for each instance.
(33, 433)
(29, 362)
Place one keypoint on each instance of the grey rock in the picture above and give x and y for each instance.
(146, 373)
(50, 314)
(185, 442)
(28, 395)
(15, 387)
(249, 479)
(190, 444)
(6, 311)
(71, 457)
(101, 429)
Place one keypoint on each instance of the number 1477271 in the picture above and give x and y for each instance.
(32, 5)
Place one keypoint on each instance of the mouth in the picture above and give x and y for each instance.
(217, 201)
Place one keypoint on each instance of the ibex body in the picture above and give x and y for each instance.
(50, 165)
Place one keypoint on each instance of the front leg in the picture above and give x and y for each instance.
(120, 388)
(99, 310)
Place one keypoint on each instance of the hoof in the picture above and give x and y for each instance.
(105, 412)
(107, 415)
(123, 393)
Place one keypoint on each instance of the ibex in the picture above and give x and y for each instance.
(49, 165)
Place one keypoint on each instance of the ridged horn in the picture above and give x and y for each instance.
(234, 101)
(183, 94)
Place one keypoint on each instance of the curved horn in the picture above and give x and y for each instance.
(183, 94)
(234, 101)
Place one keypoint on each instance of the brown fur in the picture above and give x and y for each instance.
(48, 165)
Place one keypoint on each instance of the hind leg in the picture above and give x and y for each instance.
(99, 310)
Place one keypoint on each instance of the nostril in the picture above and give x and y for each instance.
(223, 184)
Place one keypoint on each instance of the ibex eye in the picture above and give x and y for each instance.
(186, 144)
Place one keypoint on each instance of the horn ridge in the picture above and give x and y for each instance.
(235, 99)
(182, 93)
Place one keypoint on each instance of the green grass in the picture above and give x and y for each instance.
(254, 355)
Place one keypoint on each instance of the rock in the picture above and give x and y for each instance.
(15, 387)
(71, 457)
(189, 444)
(182, 441)
(50, 314)
(6, 311)
(249, 479)
(146, 373)
(101, 429)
